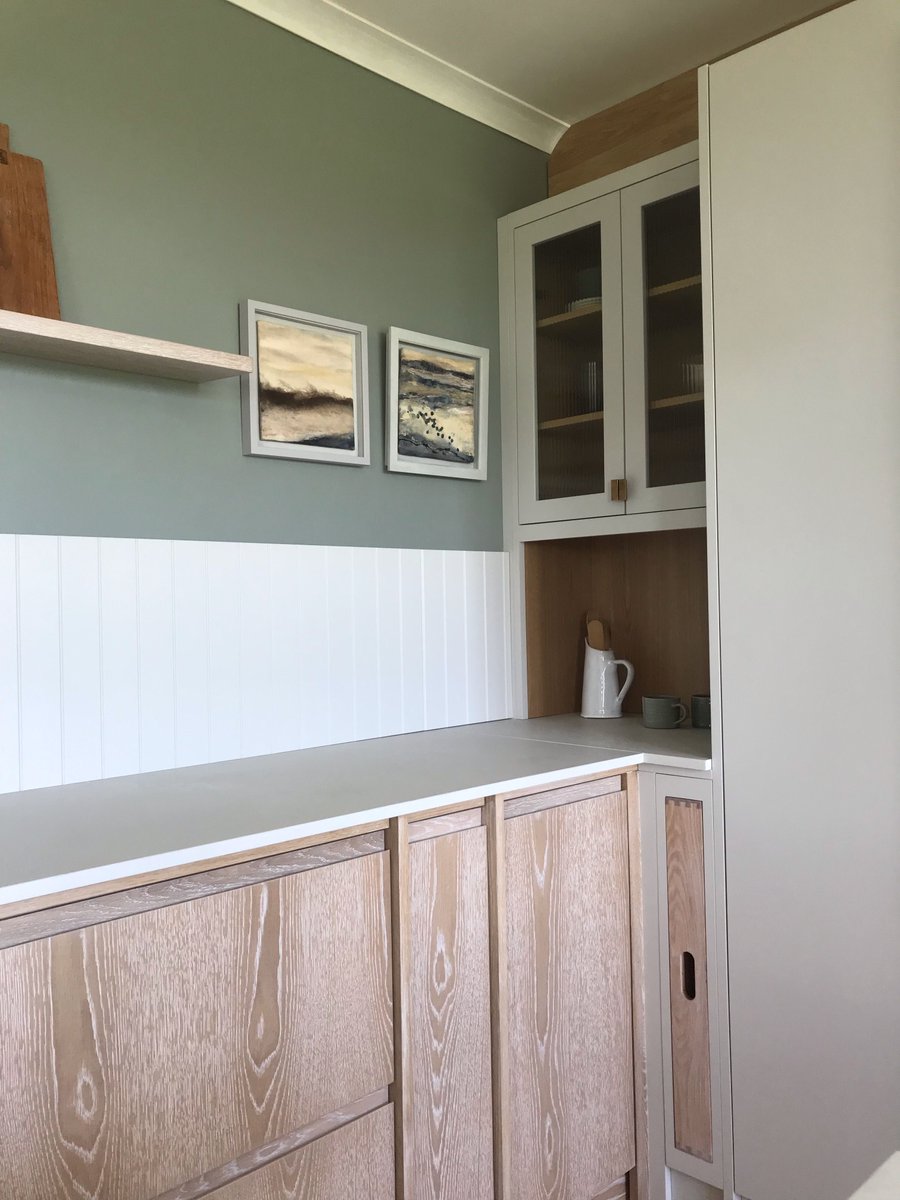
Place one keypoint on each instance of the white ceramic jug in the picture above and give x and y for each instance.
(601, 695)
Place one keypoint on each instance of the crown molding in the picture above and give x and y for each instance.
(377, 50)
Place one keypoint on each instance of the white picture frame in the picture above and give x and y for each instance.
(311, 364)
(433, 439)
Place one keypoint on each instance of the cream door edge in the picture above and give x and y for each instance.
(641, 497)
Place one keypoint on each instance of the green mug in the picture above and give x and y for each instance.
(663, 712)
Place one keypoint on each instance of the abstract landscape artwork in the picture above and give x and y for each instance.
(307, 396)
(437, 406)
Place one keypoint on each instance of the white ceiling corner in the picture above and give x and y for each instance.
(370, 46)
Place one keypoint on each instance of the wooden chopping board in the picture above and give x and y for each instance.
(27, 270)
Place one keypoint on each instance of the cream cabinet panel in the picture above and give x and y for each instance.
(663, 321)
(804, 195)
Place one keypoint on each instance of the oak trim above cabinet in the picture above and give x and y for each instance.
(662, 118)
(83, 345)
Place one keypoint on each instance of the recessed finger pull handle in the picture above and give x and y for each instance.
(688, 976)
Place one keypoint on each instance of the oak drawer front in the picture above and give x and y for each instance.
(141, 1053)
(355, 1162)
(570, 1058)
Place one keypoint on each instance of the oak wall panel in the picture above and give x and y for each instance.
(659, 119)
(652, 590)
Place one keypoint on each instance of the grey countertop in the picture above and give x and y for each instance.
(58, 838)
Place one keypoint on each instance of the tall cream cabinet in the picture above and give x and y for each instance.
(801, 187)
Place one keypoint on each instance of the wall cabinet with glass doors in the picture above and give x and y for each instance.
(605, 375)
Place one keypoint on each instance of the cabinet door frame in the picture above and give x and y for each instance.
(699, 789)
(605, 211)
(641, 497)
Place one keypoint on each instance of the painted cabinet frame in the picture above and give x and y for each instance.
(699, 790)
(525, 517)
(605, 212)
(641, 497)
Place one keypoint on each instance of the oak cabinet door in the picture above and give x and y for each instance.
(570, 1077)
(449, 1137)
(139, 1054)
(690, 1095)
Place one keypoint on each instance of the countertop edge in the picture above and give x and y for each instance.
(189, 855)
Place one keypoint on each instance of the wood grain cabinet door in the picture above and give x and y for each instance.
(141, 1053)
(689, 977)
(571, 1119)
(448, 1137)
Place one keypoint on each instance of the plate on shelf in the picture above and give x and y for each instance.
(574, 305)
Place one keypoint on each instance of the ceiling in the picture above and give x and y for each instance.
(531, 67)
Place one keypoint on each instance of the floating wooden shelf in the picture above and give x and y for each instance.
(578, 419)
(567, 318)
(676, 401)
(41, 337)
(678, 285)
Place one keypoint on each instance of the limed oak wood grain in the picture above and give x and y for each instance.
(571, 1095)
(401, 1089)
(585, 789)
(181, 871)
(141, 1053)
(450, 1019)
(495, 824)
(686, 895)
(262, 1156)
(639, 1176)
(451, 822)
(355, 1162)
(49, 922)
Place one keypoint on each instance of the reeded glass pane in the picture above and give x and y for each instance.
(675, 446)
(569, 365)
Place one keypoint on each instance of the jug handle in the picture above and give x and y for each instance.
(629, 677)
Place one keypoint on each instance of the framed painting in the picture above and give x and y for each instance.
(307, 397)
(437, 406)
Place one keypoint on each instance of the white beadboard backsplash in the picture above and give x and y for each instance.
(119, 656)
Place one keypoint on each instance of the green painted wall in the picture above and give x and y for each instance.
(196, 155)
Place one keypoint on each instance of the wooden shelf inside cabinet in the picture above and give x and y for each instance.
(568, 422)
(677, 285)
(575, 325)
(60, 341)
(677, 401)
